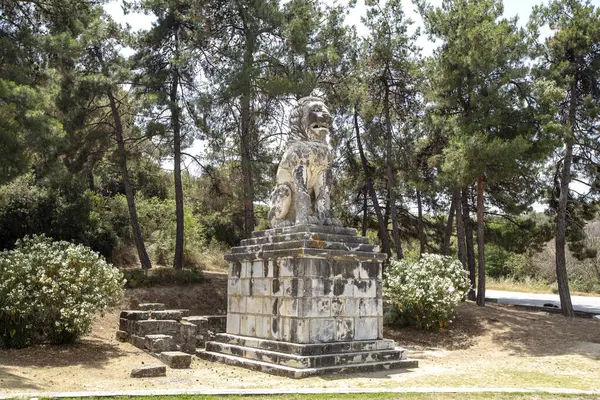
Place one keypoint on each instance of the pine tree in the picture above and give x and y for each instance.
(167, 64)
(476, 78)
(568, 71)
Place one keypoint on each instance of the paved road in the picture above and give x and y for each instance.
(580, 303)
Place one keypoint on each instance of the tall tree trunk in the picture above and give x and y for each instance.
(390, 174)
(449, 223)
(561, 216)
(247, 181)
(420, 228)
(480, 242)
(460, 231)
(246, 140)
(365, 219)
(176, 124)
(383, 236)
(122, 157)
(470, 247)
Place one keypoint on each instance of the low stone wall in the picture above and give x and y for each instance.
(158, 330)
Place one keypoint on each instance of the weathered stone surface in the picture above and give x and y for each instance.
(311, 361)
(151, 306)
(175, 315)
(138, 341)
(153, 326)
(126, 324)
(184, 311)
(305, 300)
(309, 349)
(122, 336)
(187, 337)
(298, 373)
(135, 315)
(159, 343)
(176, 359)
(149, 371)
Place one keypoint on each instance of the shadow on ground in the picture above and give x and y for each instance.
(462, 334)
(522, 332)
(88, 353)
(542, 334)
(9, 380)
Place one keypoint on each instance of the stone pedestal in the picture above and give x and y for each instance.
(305, 300)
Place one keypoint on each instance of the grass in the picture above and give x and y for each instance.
(513, 285)
(390, 396)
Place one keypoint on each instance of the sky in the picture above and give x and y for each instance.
(519, 8)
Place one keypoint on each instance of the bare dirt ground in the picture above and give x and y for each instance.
(492, 347)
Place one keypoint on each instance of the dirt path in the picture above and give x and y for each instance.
(495, 346)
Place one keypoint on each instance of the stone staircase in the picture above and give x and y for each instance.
(303, 360)
(170, 335)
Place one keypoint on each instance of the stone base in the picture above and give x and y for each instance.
(302, 360)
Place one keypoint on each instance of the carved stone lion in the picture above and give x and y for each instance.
(301, 195)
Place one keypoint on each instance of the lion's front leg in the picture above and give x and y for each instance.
(281, 199)
(302, 199)
(323, 200)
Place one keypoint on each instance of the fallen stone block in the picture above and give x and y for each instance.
(186, 337)
(149, 371)
(176, 359)
(159, 343)
(135, 315)
(151, 306)
(122, 336)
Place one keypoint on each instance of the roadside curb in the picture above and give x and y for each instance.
(552, 310)
(285, 391)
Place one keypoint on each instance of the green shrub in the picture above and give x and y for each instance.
(500, 263)
(69, 212)
(162, 277)
(425, 293)
(50, 291)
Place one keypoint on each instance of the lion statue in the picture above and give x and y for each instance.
(301, 194)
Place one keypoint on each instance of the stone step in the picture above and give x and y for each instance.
(159, 343)
(151, 306)
(297, 373)
(304, 252)
(336, 230)
(168, 314)
(306, 349)
(325, 237)
(155, 326)
(308, 244)
(134, 315)
(207, 321)
(316, 361)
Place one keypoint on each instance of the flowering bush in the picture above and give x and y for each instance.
(50, 290)
(425, 293)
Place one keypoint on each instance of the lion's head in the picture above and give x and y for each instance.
(310, 120)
